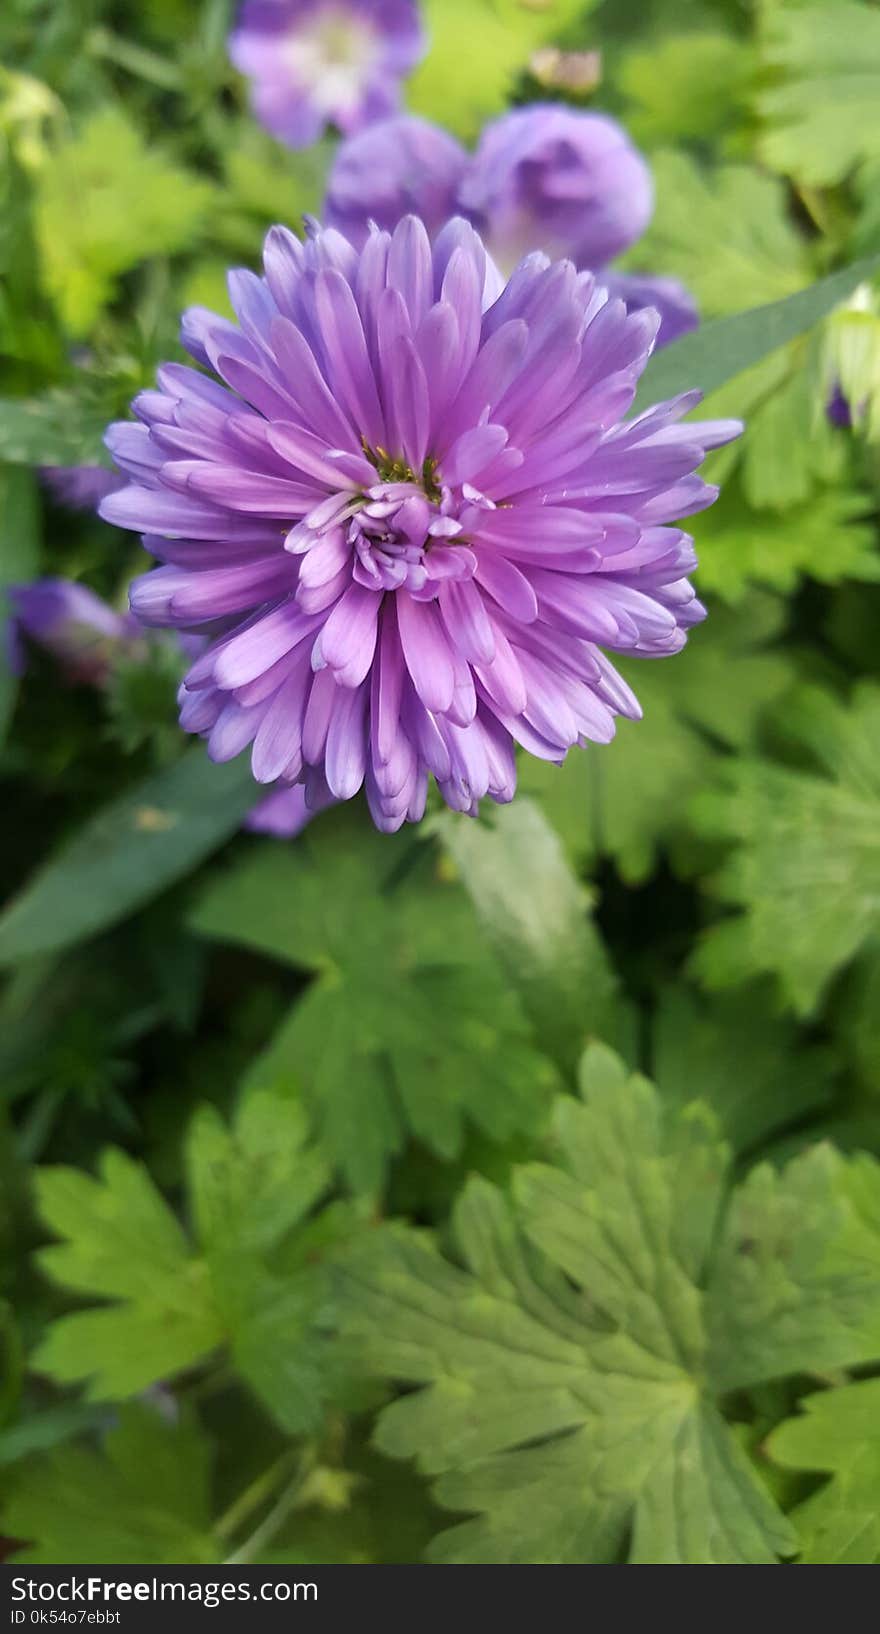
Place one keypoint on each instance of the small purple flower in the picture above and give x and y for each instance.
(674, 304)
(570, 183)
(283, 813)
(314, 63)
(410, 516)
(73, 624)
(838, 408)
(85, 635)
(400, 167)
(79, 487)
(544, 177)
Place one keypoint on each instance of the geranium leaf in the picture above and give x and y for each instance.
(409, 1024)
(616, 1317)
(126, 854)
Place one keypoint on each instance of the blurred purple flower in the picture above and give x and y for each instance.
(283, 813)
(411, 516)
(79, 487)
(675, 305)
(544, 177)
(73, 624)
(314, 63)
(838, 409)
(400, 167)
(85, 635)
(569, 183)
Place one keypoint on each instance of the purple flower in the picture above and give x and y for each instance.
(73, 624)
(283, 813)
(544, 177)
(838, 408)
(317, 62)
(411, 516)
(84, 634)
(674, 304)
(570, 183)
(79, 487)
(400, 167)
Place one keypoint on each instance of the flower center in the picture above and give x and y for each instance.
(331, 58)
(403, 531)
(393, 468)
(400, 539)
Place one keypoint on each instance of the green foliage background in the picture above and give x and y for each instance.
(500, 1192)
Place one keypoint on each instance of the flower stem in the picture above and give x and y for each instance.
(256, 1495)
(265, 1532)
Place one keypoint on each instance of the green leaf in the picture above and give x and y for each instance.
(789, 448)
(121, 1242)
(866, 186)
(717, 352)
(536, 914)
(797, 1272)
(126, 854)
(19, 559)
(387, 1518)
(268, 183)
(252, 1187)
(40, 1431)
(821, 107)
(686, 87)
(749, 1065)
(87, 231)
(570, 1371)
(838, 1432)
(756, 253)
(828, 539)
(64, 427)
(175, 1302)
(253, 1183)
(409, 1025)
(805, 869)
(477, 48)
(858, 1015)
(144, 1499)
(628, 799)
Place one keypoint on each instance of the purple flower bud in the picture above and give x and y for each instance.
(79, 487)
(675, 304)
(400, 167)
(314, 63)
(73, 624)
(548, 177)
(283, 813)
(79, 629)
(838, 410)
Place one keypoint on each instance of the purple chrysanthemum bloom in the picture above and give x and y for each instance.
(544, 177)
(67, 619)
(410, 516)
(314, 63)
(79, 487)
